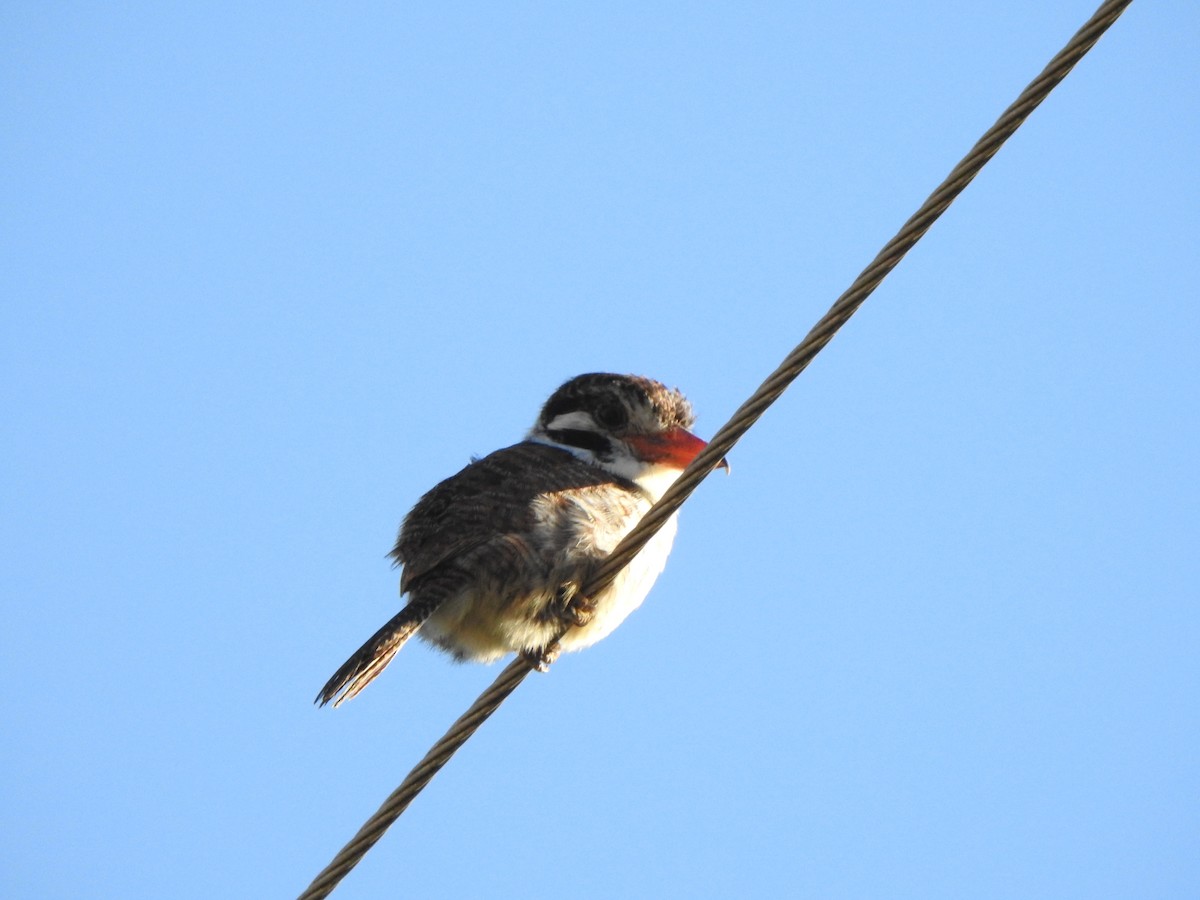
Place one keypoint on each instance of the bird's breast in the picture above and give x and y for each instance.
(627, 591)
(569, 533)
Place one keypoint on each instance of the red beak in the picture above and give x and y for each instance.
(675, 448)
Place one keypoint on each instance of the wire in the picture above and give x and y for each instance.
(730, 433)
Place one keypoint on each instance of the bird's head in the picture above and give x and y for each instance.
(634, 427)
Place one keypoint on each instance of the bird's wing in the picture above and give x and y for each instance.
(475, 527)
(490, 502)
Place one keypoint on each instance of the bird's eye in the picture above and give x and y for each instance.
(611, 416)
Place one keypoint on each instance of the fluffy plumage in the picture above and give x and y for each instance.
(494, 556)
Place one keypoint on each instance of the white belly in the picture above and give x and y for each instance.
(483, 624)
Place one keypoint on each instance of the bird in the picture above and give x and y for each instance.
(495, 556)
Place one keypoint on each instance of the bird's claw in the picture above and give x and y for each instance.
(576, 610)
(540, 660)
(579, 612)
(572, 610)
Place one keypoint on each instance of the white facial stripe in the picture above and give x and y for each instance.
(577, 420)
(652, 478)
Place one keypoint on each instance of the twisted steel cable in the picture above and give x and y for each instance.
(730, 433)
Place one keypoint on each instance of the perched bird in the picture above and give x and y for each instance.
(494, 557)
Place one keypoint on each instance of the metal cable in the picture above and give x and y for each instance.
(729, 434)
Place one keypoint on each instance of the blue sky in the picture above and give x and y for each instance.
(270, 271)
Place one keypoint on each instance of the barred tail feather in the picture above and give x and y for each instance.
(372, 657)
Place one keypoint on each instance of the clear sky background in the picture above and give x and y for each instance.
(270, 271)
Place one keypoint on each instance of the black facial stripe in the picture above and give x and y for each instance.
(585, 440)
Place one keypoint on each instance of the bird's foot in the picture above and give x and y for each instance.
(574, 610)
(540, 659)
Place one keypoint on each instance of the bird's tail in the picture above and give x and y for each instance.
(372, 657)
